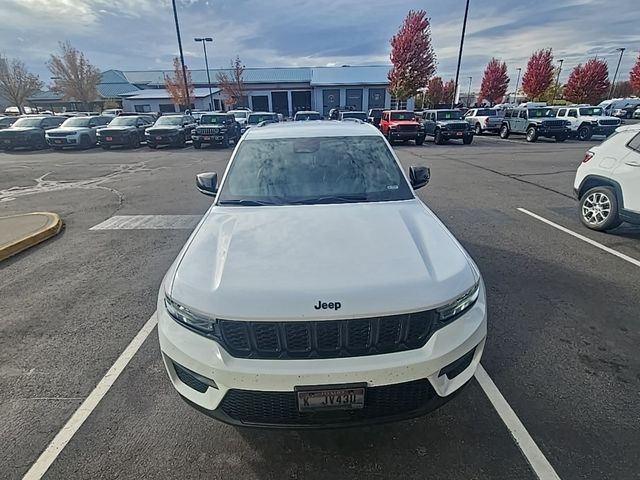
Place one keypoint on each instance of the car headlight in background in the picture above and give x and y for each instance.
(194, 321)
(567, 123)
(463, 303)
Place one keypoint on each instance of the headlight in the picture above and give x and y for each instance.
(393, 127)
(567, 123)
(183, 315)
(594, 122)
(460, 305)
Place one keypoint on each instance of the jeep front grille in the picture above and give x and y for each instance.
(553, 123)
(610, 122)
(458, 126)
(407, 128)
(327, 339)
(208, 131)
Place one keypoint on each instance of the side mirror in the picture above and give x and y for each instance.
(207, 183)
(419, 176)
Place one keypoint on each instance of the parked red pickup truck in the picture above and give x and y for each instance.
(401, 125)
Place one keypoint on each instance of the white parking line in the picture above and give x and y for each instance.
(149, 222)
(40, 467)
(618, 254)
(527, 446)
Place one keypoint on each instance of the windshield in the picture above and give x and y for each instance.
(212, 119)
(449, 115)
(240, 114)
(255, 119)
(77, 122)
(289, 171)
(170, 120)
(123, 121)
(403, 116)
(359, 115)
(541, 112)
(487, 112)
(28, 122)
(307, 116)
(376, 113)
(591, 111)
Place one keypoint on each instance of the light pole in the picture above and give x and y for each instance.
(184, 69)
(517, 83)
(613, 84)
(204, 41)
(464, 28)
(555, 90)
(469, 94)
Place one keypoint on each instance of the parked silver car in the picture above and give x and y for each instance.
(76, 132)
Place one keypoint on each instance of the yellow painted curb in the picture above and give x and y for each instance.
(53, 228)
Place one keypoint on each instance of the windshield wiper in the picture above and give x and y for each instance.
(331, 199)
(246, 203)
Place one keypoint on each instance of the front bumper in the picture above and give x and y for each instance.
(262, 392)
(68, 141)
(164, 139)
(400, 135)
(456, 134)
(209, 139)
(553, 131)
(13, 142)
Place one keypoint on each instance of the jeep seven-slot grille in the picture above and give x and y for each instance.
(553, 123)
(327, 339)
(610, 122)
(208, 131)
(407, 128)
(458, 126)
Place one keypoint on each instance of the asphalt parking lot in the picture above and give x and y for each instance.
(561, 349)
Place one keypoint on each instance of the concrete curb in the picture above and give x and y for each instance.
(52, 228)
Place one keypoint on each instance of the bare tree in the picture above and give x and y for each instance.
(16, 83)
(231, 83)
(74, 76)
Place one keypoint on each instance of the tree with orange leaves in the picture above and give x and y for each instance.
(175, 85)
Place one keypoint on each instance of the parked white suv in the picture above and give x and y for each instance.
(608, 181)
(318, 290)
(484, 120)
(586, 121)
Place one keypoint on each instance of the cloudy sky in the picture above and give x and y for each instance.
(140, 34)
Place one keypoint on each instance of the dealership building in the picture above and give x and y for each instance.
(282, 90)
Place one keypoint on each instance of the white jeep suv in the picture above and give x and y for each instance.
(588, 121)
(607, 182)
(318, 290)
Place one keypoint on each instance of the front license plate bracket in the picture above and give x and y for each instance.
(321, 398)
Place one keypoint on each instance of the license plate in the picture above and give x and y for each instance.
(58, 141)
(459, 134)
(7, 141)
(158, 138)
(109, 139)
(206, 138)
(219, 137)
(330, 398)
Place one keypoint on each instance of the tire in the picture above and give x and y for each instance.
(419, 141)
(85, 142)
(391, 142)
(437, 139)
(106, 147)
(225, 142)
(478, 129)
(152, 146)
(585, 132)
(182, 140)
(467, 140)
(532, 134)
(627, 115)
(197, 145)
(561, 138)
(134, 142)
(606, 216)
(504, 132)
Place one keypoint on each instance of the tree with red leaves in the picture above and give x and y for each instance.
(435, 92)
(412, 56)
(175, 85)
(539, 74)
(449, 91)
(634, 76)
(588, 83)
(494, 82)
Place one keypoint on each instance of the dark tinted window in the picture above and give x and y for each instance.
(287, 171)
(634, 143)
(450, 115)
(213, 119)
(486, 112)
(403, 116)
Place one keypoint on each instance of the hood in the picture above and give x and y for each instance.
(603, 117)
(452, 122)
(276, 263)
(22, 129)
(117, 128)
(69, 131)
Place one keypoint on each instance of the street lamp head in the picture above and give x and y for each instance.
(203, 39)
(620, 49)
(208, 39)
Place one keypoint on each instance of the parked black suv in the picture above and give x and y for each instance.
(445, 125)
(28, 132)
(375, 115)
(534, 122)
(126, 131)
(216, 128)
(171, 130)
